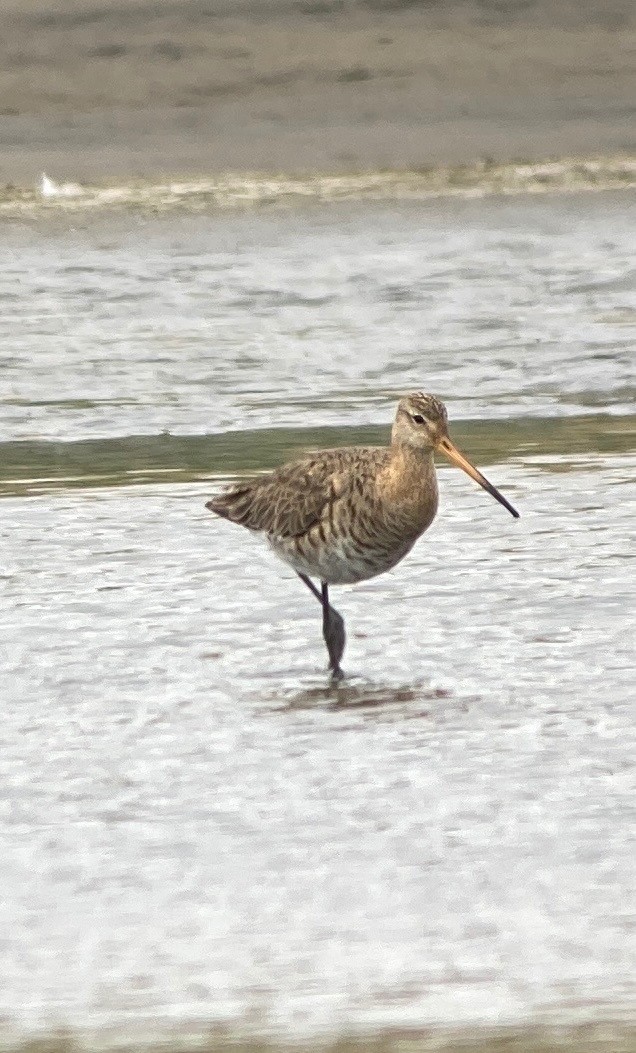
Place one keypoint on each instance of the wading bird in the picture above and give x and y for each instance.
(345, 515)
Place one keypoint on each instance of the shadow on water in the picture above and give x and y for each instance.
(348, 695)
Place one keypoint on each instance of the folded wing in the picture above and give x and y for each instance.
(289, 501)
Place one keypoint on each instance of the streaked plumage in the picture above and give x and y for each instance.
(345, 515)
(337, 515)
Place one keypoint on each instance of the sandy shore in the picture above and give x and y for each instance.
(99, 89)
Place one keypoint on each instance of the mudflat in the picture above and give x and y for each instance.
(103, 89)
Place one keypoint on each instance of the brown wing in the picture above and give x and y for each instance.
(288, 501)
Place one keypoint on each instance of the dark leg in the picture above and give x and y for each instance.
(310, 585)
(333, 629)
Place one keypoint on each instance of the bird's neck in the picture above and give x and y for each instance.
(410, 470)
(418, 458)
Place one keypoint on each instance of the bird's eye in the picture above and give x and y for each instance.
(418, 418)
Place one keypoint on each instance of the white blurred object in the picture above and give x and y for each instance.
(50, 189)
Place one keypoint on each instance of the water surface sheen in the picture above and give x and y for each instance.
(195, 828)
(130, 325)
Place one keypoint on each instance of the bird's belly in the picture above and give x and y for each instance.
(338, 562)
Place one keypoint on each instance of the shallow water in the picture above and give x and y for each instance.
(135, 326)
(196, 828)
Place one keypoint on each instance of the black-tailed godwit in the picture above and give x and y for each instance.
(345, 515)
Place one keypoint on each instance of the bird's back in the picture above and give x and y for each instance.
(289, 500)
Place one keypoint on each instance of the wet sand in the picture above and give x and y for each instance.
(96, 90)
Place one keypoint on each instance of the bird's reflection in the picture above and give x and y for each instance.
(358, 694)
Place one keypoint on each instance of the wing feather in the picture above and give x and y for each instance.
(290, 500)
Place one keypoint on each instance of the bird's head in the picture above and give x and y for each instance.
(421, 422)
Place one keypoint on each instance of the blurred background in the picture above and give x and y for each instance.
(134, 89)
(233, 230)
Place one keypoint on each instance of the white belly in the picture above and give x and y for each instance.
(339, 563)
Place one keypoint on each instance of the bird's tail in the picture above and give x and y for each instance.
(233, 504)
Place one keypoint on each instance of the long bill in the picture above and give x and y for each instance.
(449, 450)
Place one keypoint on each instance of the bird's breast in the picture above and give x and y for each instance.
(360, 538)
